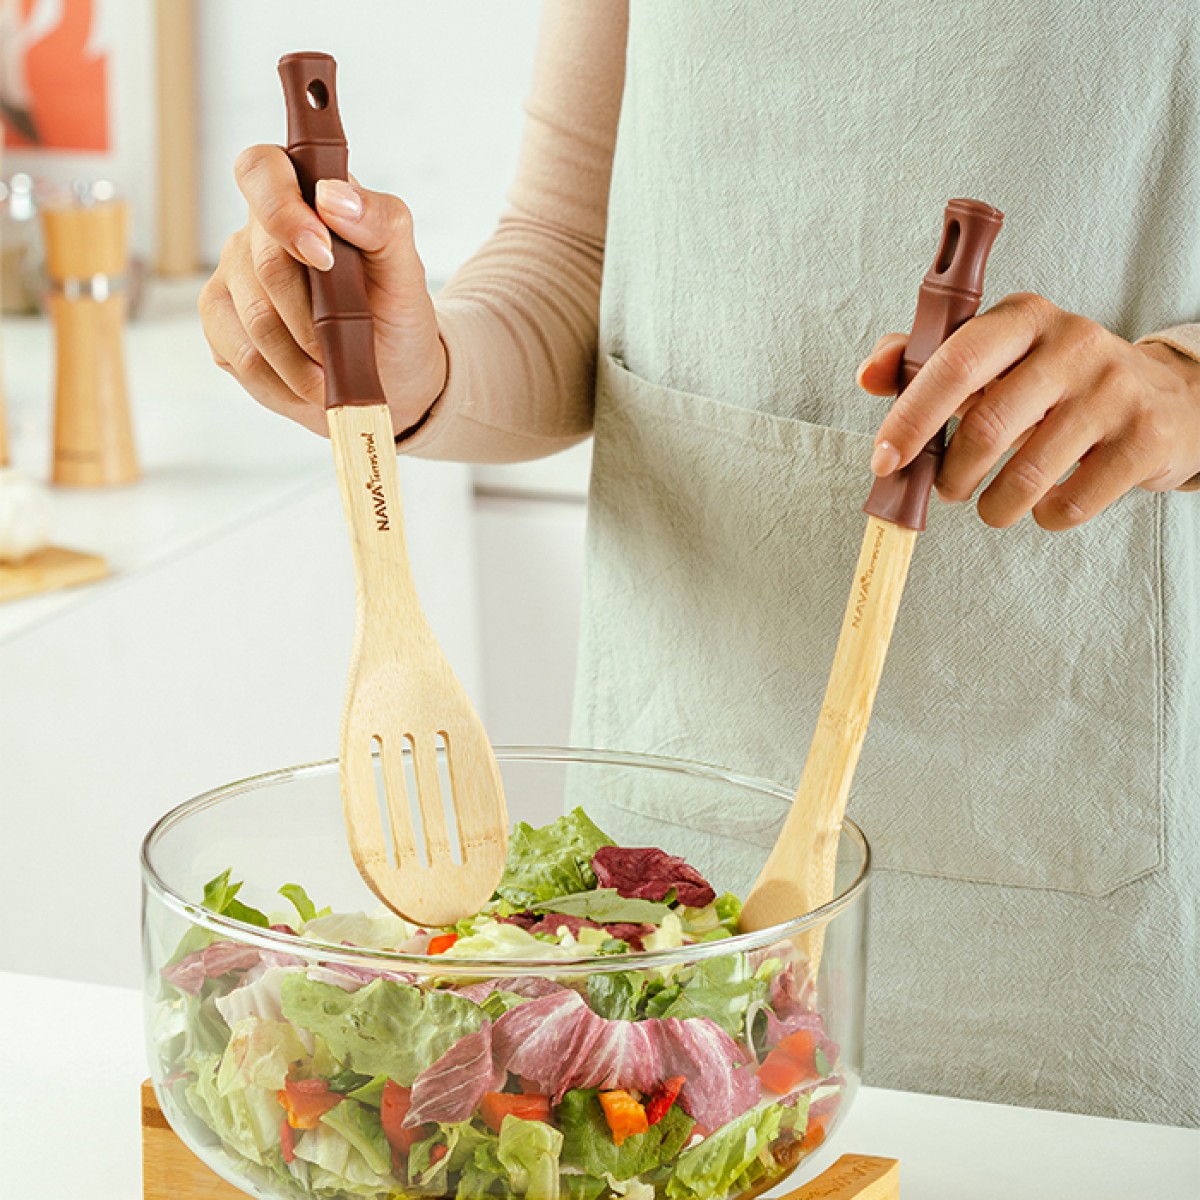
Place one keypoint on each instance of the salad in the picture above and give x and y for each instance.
(700, 1080)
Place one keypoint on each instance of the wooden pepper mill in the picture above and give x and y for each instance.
(87, 260)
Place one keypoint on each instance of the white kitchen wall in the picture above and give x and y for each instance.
(431, 94)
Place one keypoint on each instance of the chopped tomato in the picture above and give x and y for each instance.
(439, 1152)
(287, 1141)
(442, 943)
(814, 1135)
(802, 1046)
(793, 1062)
(625, 1115)
(660, 1103)
(307, 1101)
(495, 1106)
(393, 1108)
(820, 1115)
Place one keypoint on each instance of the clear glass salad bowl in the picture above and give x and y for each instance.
(577, 1041)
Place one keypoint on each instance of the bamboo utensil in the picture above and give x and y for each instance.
(798, 876)
(87, 259)
(402, 695)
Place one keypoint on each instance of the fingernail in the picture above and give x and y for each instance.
(339, 198)
(885, 459)
(312, 248)
(862, 369)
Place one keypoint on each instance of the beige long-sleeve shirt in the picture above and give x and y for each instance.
(520, 318)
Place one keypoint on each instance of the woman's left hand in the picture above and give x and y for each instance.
(1061, 389)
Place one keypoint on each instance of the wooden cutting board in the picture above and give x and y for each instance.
(50, 568)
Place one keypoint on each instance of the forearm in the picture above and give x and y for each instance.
(519, 320)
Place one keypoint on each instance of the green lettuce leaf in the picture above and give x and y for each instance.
(298, 897)
(529, 1152)
(463, 1140)
(246, 1119)
(551, 862)
(582, 1187)
(716, 1165)
(220, 896)
(588, 1142)
(483, 1174)
(606, 904)
(729, 910)
(385, 1028)
(721, 989)
(492, 939)
(375, 931)
(362, 1128)
(497, 1003)
(617, 994)
(259, 1053)
(338, 1165)
(371, 1092)
(189, 1025)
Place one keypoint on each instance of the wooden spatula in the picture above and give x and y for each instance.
(799, 874)
(402, 696)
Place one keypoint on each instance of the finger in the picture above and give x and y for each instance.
(1066, 434)
(267, 179)
(285, 282)
(273, 340)
(969, 359)
(879, 372)
(1104, 474)
(234, 352)
(381, 226)
(999, 419)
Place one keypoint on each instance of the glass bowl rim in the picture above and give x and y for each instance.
(281, 942)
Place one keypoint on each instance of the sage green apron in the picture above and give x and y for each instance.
(1030, 778)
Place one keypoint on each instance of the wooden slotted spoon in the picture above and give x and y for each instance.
(799, 874)
(402, 695)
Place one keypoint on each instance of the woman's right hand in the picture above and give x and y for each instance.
(257, 310)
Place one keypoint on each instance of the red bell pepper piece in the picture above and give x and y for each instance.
(820, 1116)
(442, 943)
(306, 1101)
(393, 1108)
(287, 1141)
(660, 1103)
(495, 1106)
(793, 1062)
(626, 1116)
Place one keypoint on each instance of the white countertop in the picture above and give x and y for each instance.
(212, 460)
(74, 1058)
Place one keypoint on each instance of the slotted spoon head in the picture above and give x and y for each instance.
(408, 710)
(402, 696)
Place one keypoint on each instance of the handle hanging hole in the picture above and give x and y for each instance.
(318, 95)
(949, 246)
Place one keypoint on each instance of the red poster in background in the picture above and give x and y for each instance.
(54, 74)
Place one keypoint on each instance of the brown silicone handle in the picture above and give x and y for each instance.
(316, 144)
(949, 296)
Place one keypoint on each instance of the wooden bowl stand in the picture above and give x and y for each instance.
(170, 1171)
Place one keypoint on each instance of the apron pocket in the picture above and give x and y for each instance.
(1015, 736)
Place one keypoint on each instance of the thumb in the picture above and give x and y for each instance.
(380, 225)
(878, 372)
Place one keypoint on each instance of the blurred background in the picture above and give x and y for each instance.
(175, 588)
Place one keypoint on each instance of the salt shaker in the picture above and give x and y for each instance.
(87, 262)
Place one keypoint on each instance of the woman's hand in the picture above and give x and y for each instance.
(1063, 391)
(257, 311)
